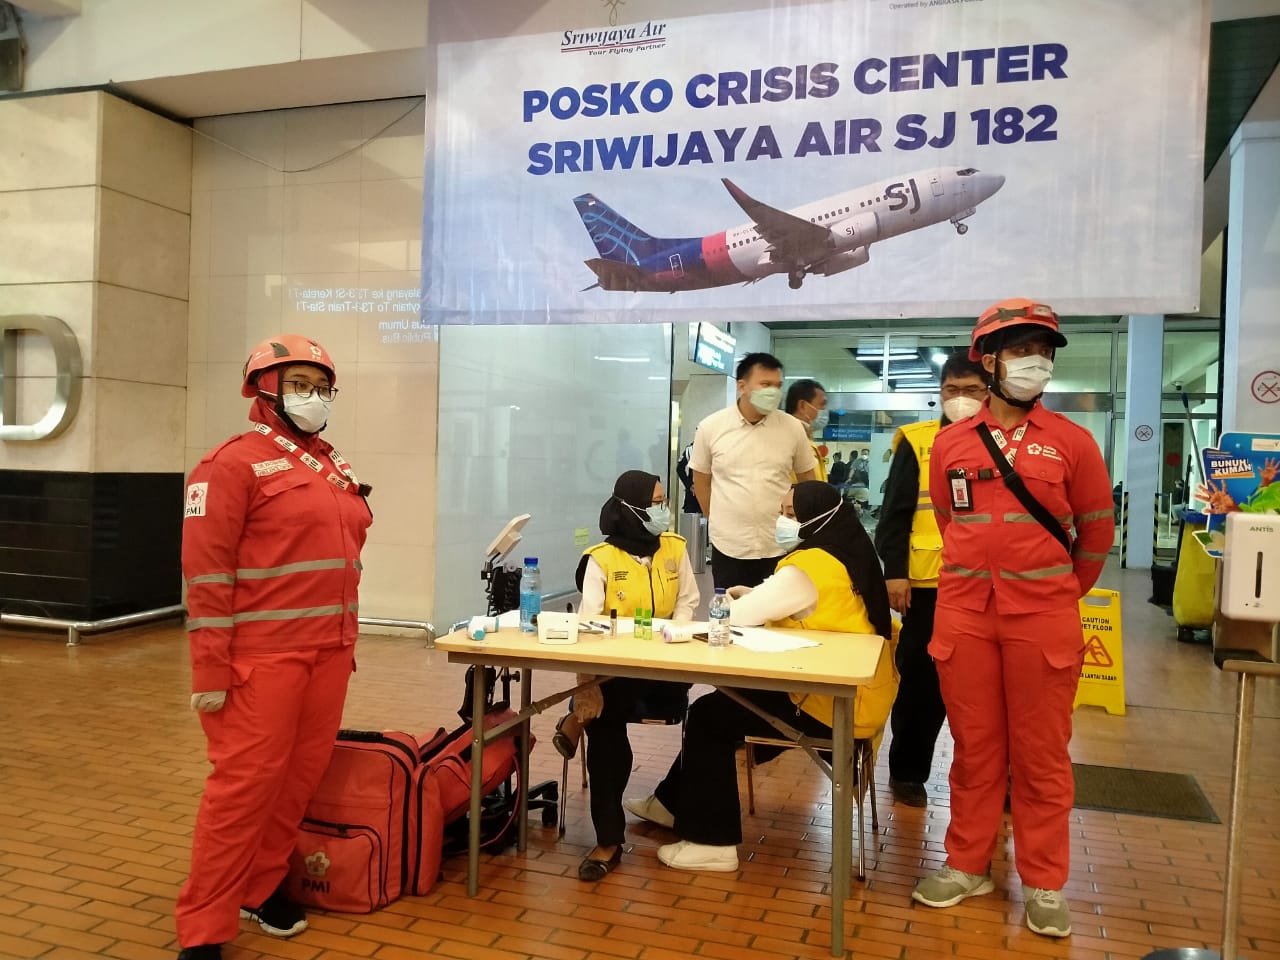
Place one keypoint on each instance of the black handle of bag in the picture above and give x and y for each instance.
(1019, 489)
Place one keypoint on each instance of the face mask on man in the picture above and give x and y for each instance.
(819, 423)
(309, 414)
(656, 518)
(959, 408)
(1026, 377)
(766, 399)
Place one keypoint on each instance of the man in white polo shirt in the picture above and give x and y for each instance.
(743, 459)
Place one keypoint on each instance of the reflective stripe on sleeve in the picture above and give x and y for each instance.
(303, 566)
(211, 578)
(1042, 574)
(251, 616)
(353, 607)
(1095, 515)
(966, 572)
(1095, 557)
(924, 507)
(200, 623)
(971, 518)
(357, 564)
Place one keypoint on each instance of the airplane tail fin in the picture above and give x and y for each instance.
(617, 239)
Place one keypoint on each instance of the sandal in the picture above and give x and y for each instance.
(593, 870)
(566, 745)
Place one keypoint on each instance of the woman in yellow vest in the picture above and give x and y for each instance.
(830, 581)
(639, 565)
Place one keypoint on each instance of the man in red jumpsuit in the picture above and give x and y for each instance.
(1007, 638)
(274, 523)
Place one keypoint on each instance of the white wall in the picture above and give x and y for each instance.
(263, 245)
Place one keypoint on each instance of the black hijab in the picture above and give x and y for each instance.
(844, 537)
(623, 527)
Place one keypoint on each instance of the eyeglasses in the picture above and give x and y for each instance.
(304, 389)
(973, 393)
(660, 503)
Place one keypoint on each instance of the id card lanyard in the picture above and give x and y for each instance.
(343, 479)
(961, 480)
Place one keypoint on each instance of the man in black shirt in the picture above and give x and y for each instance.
(910, 547)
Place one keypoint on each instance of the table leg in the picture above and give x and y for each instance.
(478, 705)
(841, 816)
(1235, 820)
(522, 803)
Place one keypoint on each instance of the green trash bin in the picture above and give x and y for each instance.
(1193, 583)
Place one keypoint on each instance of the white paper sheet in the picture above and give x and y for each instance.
(768, 641)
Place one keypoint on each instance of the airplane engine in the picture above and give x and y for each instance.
(841, 262)
(857, 231)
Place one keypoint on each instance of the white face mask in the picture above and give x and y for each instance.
(1026, 377)
(958, 408)
(766, 399)
(309, 414)
(786, 531)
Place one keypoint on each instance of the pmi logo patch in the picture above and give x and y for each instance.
(317, 865)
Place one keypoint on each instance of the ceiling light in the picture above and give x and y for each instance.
(939, 358)
(623, 359)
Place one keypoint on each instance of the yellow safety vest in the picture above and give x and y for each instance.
(924, 559)
(628, 585)
(819, 471)
(841, 610)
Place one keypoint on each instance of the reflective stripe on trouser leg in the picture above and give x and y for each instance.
(319, 717)
(1040, 697)
(974, 696)
(249, 743)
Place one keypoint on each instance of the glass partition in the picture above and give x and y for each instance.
(540, 420)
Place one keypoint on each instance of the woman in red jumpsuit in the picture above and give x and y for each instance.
(1007, 638)
(273, 526)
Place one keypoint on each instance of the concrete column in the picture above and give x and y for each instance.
(1143, 380)
(1251, 356)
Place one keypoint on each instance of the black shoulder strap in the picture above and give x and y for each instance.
(1019, 490)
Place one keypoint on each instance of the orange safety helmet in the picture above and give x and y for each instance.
(1008, 314)
(281, 351)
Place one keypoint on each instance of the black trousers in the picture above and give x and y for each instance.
(701, 788)
(918, 711)
(609, 751)
(727, 571)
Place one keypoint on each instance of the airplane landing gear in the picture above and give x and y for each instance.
(962, 228)
(795, 278)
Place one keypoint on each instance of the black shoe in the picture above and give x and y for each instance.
(594, 870)
(908, 793)
(278, 915)
(208, 951)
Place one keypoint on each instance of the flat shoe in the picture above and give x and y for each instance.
(594, 870)
(565, 746)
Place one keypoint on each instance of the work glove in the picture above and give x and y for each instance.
(210, 702)
(588, 704)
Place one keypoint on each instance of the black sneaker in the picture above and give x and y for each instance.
(208, 951)
(278, 916)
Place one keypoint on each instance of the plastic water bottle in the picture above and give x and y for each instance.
(530, 594)
(718, 635)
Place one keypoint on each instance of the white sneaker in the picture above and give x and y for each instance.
(684, 855)
(650, 808)
(947, 886)
(1048, 912)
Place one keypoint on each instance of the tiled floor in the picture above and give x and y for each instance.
(101, 765)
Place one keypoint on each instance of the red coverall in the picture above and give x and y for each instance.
(270, 554)
(1007, 636)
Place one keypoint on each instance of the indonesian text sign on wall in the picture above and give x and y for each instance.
(812, 160)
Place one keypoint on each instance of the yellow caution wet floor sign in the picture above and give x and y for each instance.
(1102, 673)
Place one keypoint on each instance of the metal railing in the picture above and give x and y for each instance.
(75, 628)
(424, 625)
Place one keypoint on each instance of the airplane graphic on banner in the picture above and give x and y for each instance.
(825, 237)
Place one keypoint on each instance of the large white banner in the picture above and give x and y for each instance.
(651, 160)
